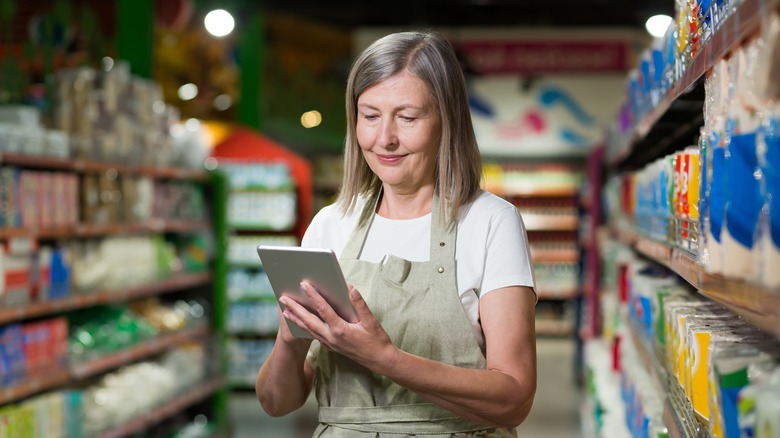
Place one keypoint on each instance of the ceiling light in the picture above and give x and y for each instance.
(310, 119)
(188, 91)
(658, 24)
(219, 22)
(222, 102)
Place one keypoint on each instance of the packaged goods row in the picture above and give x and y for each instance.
(30, 350)
(32, 274)
(521, 180)
(114, 400)
(104, 115)
(711, 370)
(41, 199)
(664, 67)
(244, 359)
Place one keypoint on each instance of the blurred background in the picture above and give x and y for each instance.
(148, 146)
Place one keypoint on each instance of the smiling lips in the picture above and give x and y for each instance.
(389, 159)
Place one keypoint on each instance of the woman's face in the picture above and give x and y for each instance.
(398, 129)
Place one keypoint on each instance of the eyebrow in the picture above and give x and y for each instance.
(400, 107)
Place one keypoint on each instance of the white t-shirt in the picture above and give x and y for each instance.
(491, 248)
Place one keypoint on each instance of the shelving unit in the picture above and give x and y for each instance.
(81, 166)
(547, 197)
(80, 301)
(679, 113)
(181, 282)
(756, 304)
(64, 375)
(250, 308)
(178, 404)
(671, 126)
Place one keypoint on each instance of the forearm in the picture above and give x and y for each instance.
(283, 382)
(489, 397)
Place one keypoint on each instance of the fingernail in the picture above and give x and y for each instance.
(304, 285)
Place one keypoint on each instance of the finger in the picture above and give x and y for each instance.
(322, 307)
(304, 319)
(295, 320)
(360, 306)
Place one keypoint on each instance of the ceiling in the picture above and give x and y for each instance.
(529, 13)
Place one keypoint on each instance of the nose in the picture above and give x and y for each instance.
(386, 137)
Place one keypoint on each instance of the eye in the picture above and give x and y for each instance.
(369, 117)
(408, 119)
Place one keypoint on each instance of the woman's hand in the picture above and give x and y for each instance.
(364, 341)
(287, 338)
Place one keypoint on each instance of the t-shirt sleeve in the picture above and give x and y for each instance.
(507, 256)
(314, 235)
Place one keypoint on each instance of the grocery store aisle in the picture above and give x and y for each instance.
(555, 412)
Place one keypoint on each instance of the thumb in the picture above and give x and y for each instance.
(360, 306)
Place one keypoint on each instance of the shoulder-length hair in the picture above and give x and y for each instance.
(430, 57)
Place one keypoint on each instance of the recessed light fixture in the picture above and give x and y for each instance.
(658, 24)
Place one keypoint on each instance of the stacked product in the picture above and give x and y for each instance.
(742, 156)
(56, 414)
(718, 199)
(604, 412)
(139, 388)
(662, 66)
(714, 209)
(22, 131)
(261, 210)
(32, 349)
(102, 331)
(661, 200)
(705, 356)
(110, 115)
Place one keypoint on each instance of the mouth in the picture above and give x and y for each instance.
(389, 159)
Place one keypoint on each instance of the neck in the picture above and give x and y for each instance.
(405, 205)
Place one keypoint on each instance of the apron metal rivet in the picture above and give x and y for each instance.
(441, 243)
(441, 270)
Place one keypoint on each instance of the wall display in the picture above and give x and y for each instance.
(549, 116)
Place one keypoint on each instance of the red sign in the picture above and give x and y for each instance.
(491, 57)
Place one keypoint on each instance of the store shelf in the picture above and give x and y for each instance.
(649, 361)
(673, 423)
(178, 404)
(759, 306)
(739, 26)
(550, 222)
(33, 385)
(557, 295)
(137, 352)
(80, 165)
(540, 192)
(172, 284)
(62, 376)
(554, 328)
(87, 230)
(554, 256)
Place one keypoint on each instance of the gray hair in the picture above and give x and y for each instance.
(430, 57)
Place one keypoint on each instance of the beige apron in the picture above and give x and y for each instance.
(418, 305)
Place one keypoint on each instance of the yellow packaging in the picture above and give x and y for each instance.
(694, 170)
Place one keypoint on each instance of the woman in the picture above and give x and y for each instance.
(439, 270)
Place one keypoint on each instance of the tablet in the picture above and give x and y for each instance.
(288, 266)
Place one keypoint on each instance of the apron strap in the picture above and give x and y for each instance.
(424, 419)
(358, 238)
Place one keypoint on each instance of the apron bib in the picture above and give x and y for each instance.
(418, 305)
